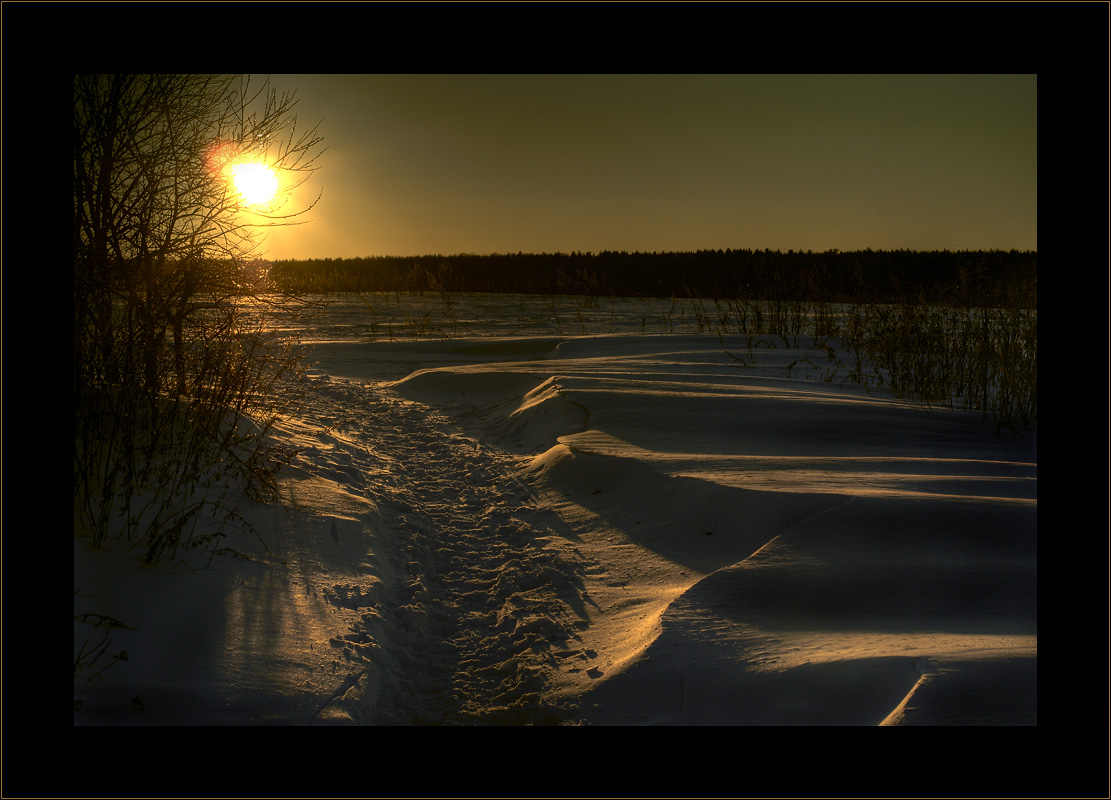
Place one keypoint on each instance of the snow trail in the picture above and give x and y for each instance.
(481, 598)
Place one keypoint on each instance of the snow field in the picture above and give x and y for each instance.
(618, 529)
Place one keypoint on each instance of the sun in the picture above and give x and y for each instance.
(256, 183)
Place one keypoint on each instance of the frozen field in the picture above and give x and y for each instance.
(529, 510)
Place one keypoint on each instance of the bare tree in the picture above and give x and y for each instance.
(177, 383)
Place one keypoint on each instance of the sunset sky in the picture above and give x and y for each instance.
(446, 164)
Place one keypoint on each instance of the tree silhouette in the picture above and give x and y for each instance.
(176, 382)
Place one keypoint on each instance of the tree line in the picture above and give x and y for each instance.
(987, 278)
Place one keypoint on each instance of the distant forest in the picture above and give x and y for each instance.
(981, 278)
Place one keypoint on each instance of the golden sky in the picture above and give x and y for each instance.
(425, 164)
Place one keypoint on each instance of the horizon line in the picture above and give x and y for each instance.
(789, 251)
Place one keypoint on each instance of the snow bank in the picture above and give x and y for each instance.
(912, 535)
(615, 529)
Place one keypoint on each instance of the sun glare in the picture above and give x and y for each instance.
(256, 183)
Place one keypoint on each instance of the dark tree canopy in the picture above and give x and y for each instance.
(967, 277)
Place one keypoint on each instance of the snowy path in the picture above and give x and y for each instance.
(484, 602)
(610, 530)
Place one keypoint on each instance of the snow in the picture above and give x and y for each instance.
(595, 519)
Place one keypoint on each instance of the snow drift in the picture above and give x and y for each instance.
(615, 529)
